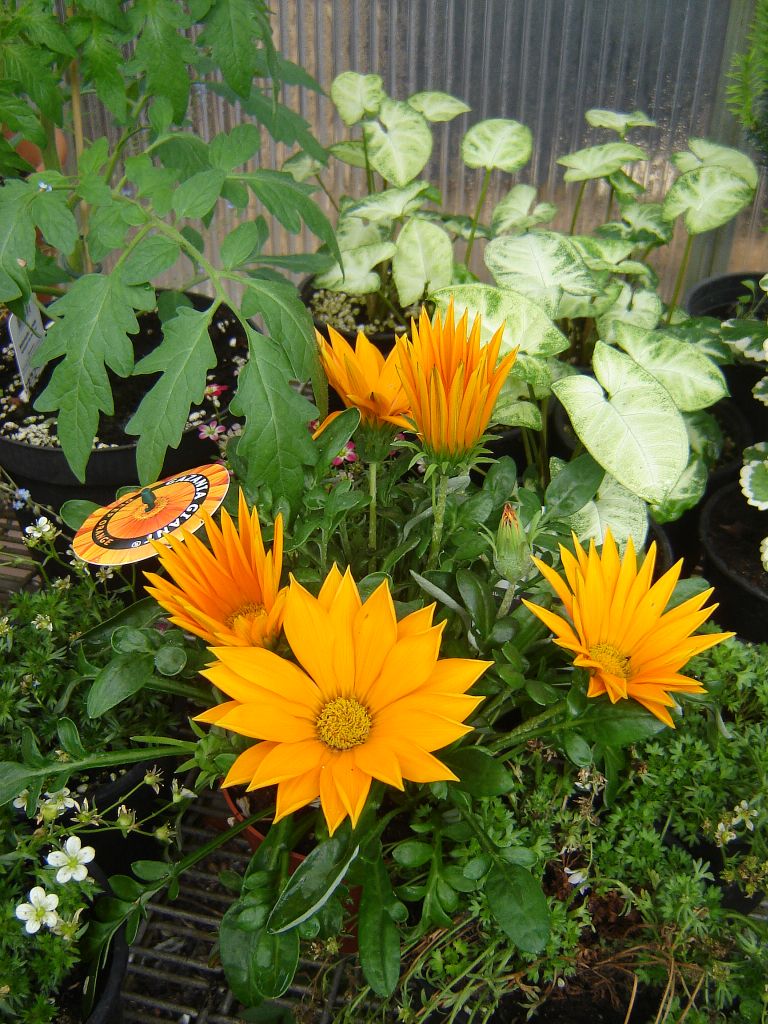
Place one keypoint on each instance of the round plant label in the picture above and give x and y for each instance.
(123, 531)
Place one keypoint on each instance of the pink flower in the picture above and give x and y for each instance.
(214, 390)
(210, 431)
(347, 454)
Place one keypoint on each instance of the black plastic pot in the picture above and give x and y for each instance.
(45, 473)
(719, 297)
(108, 1003)
(730, 531)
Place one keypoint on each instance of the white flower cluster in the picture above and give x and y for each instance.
(41, 910)
(42, 530)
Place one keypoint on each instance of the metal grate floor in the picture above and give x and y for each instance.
(173, 972)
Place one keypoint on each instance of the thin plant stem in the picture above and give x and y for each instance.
(609, 204)
(631, 999)
(577, 207)
(531, 726)
(321, 183)
(371, 185)
(506, 602)
(439, 502)
(372, 481)
(679, 279)
(476, 216)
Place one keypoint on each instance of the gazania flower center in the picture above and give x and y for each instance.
(250, 609)
(611, 660)
(343, 723)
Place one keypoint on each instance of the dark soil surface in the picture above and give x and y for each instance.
(735, 531)
(18, 417)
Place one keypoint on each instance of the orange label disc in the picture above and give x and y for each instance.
(122, 532)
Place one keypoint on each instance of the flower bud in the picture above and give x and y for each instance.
(512, 555)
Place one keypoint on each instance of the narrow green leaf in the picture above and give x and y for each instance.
(313, 883)
(123, 676)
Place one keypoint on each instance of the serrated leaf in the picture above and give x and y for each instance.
(707, 197)
(275, 444)
(150, 257)
(690, 377)
(94, 319)
(620, 123)
(422, 261)
(437, 106)
(197, 196)
(497, 143)
(164, 54)
(230, 28)
(357, 96)
(527, 326)
(399, 143)
(228, 151)
(541, 265)
(102, 61)
(241, 245)
(17, 240)
(184, 358)
(600, 161)
(635, 432)
(51, 213)
(291, 202)
(287, 321)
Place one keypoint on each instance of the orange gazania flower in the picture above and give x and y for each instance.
(368, 700)
(452, 382)
(619, 630)
(231, 593)
(364, 380)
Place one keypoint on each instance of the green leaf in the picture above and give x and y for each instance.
(399, 144)
(707, 197)
(275, 444)
(288, 322)
(141, 613)
(704, 152)
(542, 265)
(526, 325)
(636, 307)
(600, 161)
(377, 934)
(13, 779)
(357, 96)
(516, 901)
(75, 511)
(230, 28)
(17, 240)
(497, 143)
(389, 205)
(290, 201)
(51, 213)
(313, 883)
(754, 478)
(615, 509)
(335, 436)
(477, 599)
(197, 195)
(155, 183)
(169, 661)
(480, 774)
(69, 738)
(95, 318)
(163, 53)
(257, 964)
(688, 491)
(575, 484)
(422, 261)
(184, 358)
(636, 433)
(412, 854)
(151, 256)
(692, 379)
(618, 725)
(102, 62)
(577, 749)
(619, 123)
(437, 106)
(516, 212)
(122, 677)
(241, 245)
(228, 151)
(351, 152)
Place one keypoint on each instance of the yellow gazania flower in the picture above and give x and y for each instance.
(452, 382)
(619, 629)
(368, 700)
(364, 380)
(230, 594)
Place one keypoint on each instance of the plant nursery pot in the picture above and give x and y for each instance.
(43, 469)
(719, 297)
(731, 530)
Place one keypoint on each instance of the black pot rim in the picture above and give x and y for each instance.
(718, 561)
(732, 277)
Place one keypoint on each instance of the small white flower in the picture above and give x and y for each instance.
(724, 834)
(179, 793)
(577, 877)
(71, 860)
(21, 799)
(743, 815)
(5, 625)
(41, 910)
(42, 622)
(56, 803)
(62, 583)
(104, 573)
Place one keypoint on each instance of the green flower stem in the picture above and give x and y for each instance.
(439, 502)
(679, 279)
(372, 472)
(506, 602)
(476, 216)
(577, 207)
(179, 689)
(528, 729)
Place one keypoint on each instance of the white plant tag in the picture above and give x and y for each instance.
(27, 336)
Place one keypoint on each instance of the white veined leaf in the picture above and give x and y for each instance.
(636, 306)
(387, 206)
(527, 326)
(707, 197)
(687, 492)
(301, 166)
(756, 452)
(747, 338)
(358, 276)
(352, 232)
(423, 260)
(541, 265)
(497, 144)
(602, 253)
(647, 222)
(617, 122)
(516, 412)
(754, 483)
(705, 437)
(760, 391)
(600, 161)
(625, 187)
(702, 151)
(357, 96)
(351, 152)
(437, 106)
(535, 371)
(692, 379)
(399, 143)
(572, 307)
(516, 211)
(616, 509)
(635, 431)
